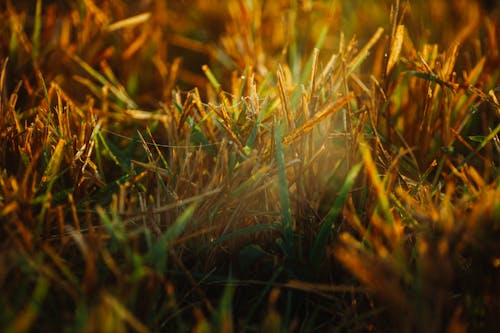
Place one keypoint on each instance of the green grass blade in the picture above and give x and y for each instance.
(53, 166)
(37, 29)
(113, 226)
(119, 93)
(45, 92)
(245, 231)
(483, 141)
(224, 315)
(489, 137)
(157, 254)
(115, 153)
(318, 250)
(26, 318)
(180, 224)
(211, 77)
(286, 214)
(257, 178)
(50, 176)
(158, 249)
(306, 73)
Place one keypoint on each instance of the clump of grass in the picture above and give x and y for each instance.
(160, 173)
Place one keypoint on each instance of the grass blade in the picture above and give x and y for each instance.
(363, 54)
(25, 320)
(245, 231)
(397, 44)
(318, 250)
(115, 153)
(37, 29)
(54, 165)
(129, 22)
(309, 124)
(180, 224)
(286, 214)
(120, 94)
(372, 171)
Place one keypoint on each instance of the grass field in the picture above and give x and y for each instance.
(249, 165)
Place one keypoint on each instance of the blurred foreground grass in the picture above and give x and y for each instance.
(266, 166)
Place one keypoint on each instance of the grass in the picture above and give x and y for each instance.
(284, 166)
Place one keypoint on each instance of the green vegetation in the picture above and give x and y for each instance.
(257, 166)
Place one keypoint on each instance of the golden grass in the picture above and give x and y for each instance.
(249, 165)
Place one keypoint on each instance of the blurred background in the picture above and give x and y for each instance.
(167, 49)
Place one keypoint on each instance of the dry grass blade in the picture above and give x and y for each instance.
(285, 100)
(146, 115)
(179, 203)
(397, 44)
(54, 165)
(323, 288)
(375, 272)
(363, 53)
(309, 124)
(378, 185)
(449, 64)
(129, 22)
(227, 124)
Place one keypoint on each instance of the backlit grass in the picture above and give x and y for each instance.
(260, 166)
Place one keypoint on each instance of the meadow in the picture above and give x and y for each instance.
(249, 166)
